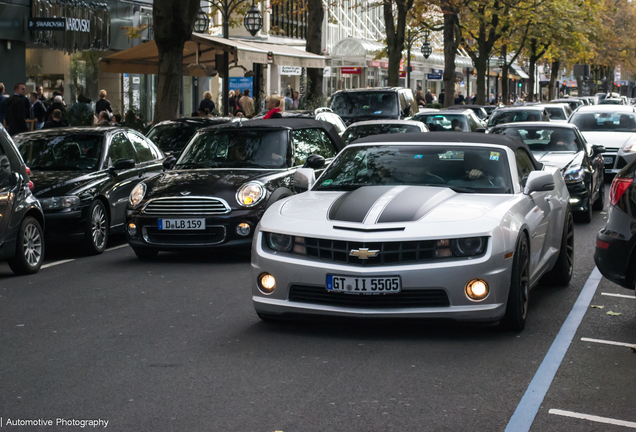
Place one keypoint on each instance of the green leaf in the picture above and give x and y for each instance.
(613, 313)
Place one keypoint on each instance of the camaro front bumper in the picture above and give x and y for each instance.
(297, 274)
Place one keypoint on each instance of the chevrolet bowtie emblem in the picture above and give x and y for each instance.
(364, 253)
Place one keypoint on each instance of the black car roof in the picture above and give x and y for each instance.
(290, 123)
(77, 130)
(452, 137)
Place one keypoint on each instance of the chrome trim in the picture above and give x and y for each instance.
(144, 234)
(180, 205)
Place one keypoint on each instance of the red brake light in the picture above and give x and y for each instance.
(31, 185)
(619, 186)
(28, 171)
(601, 244)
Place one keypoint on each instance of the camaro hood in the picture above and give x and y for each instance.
(609, 139)
(58, 183)
(561, 160)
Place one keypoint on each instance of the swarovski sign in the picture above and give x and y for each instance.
(79, 25)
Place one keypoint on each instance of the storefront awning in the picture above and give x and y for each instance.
(516, 69)
(202, 49)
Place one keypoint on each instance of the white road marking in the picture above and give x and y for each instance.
(606, 342)
(593, 418)
(56, 263)
(117, 247)
(619, 295)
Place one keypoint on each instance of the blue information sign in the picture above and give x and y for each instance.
(433, 76)
(242, 83)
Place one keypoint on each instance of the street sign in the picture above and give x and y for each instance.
(327, 72)
(433, 77)
(241, 84)
(290, 70)
(48, 24)
(351, 70)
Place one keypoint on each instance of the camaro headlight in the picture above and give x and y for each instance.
(574, 175)
(137, 194)
(60, 202)
(468, 246)
(250, 194)
(279, 242)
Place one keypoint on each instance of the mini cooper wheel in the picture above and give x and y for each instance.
(517, 306)
(96, 231)
(561, 274)
(599, 204)
(29, 251)
(145, 253)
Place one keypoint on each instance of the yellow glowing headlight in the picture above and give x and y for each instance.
(250, 194)
(477, 289)
(266, 283)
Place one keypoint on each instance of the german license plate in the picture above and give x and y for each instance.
(609, 160)
(364, 285)
(181, 224)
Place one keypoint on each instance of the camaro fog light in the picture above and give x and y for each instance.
(477, 289)
(132, 229)
(243, 229)
(266, 283)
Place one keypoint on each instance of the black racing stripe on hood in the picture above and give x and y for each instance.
(413, 203)
(354, 206)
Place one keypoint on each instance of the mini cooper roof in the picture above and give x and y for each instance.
(289, 123)
(452, 137)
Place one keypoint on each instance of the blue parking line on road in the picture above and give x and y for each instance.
(526, 411)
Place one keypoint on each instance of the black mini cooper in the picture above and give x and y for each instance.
(216, 192)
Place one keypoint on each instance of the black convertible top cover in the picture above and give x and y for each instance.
(293, 123)
(452, 137)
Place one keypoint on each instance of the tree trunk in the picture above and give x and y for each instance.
(481, 65)
(173, 21)
(504, 76)
(531, 83)
(450, 51)
(554, 74)
(395, 36)
(315, 17)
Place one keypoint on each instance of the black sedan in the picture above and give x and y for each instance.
(615, 254)
(21, 217)
(83, 177)
(562, 145)
(223, 182)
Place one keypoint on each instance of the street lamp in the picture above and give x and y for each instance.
(502, 61)
(202, 24)
(253, 20)
(426, 49)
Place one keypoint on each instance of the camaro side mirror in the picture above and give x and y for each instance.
(123, 164)
(169, 162)
(539, 181)
(304, 179)
(598, 149)
(314, 161)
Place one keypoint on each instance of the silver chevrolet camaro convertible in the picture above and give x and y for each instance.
(436, 225)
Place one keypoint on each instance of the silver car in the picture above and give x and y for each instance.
(434, 225)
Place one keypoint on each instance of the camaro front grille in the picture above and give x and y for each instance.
(186, 206)
(403, 299)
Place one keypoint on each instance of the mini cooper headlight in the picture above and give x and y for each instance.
(574, 175)
(137, 194)
(250, 194)
(468, 246)
(60, 202)
(279, 242)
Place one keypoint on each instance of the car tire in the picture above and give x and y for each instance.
(599, 204)
(561, 273)
(29, 250)
(145, 253)
(517, 305)
(97, 228)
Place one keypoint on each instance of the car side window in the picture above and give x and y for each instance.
(120, 148)
(524, 166)
(311, 141)
(5, 169)
(141, 147)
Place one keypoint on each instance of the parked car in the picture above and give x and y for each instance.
(515, 114)
(397, 228)
(322, 114)
(562, 145)
(612, 126)
(83, 177)
(450, 121)
(171, 136)
(615, 254)
(612, 101)
(374, 104)
(491, 108)
(21, 216)
(378, 127)
(479, 111)
(559, 113)
(216, 192)
(572, 102)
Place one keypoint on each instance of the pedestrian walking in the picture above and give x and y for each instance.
(3, 100)
(55, 121)
(429, 97)
(58, 103)
(296, 100)
(289, 102)
(440, 98)
(103, 104)
(104, 119)
(40, 91)
(247, 104)
(231, 102)
(206, 103)
(420, 99)
(17, 109)
(38, 111)
(272, 105)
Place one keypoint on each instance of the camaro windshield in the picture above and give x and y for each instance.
(236, 148)
(501, 117)
(61, 152)
(604, 122)
(544, 139)
(444, 122)
(461, 168)
(368, 104)
(357, 132)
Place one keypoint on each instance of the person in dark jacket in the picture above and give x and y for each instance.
(231, 102)
(103, 104)
(17, 109)
(3, 100)
(56, 120)
(38, 112)
(207, 103)
(57, 104)
(440, 98)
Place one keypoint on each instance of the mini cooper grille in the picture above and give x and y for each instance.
(389, 252)
(183, 206)
(403, 299)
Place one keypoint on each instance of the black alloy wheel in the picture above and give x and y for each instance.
(599, 204)
(561, 273)
(518, 297)
(96, 230)
(145, 253)
(29, 251)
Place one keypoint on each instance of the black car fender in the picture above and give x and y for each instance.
(278, 194)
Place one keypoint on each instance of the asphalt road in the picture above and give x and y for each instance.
(174, 345)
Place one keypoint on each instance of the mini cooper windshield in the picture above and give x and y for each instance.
(463, 169)
(72, 152)
(238, 148)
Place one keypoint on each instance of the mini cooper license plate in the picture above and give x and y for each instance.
(364, 285)
(181, 224)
